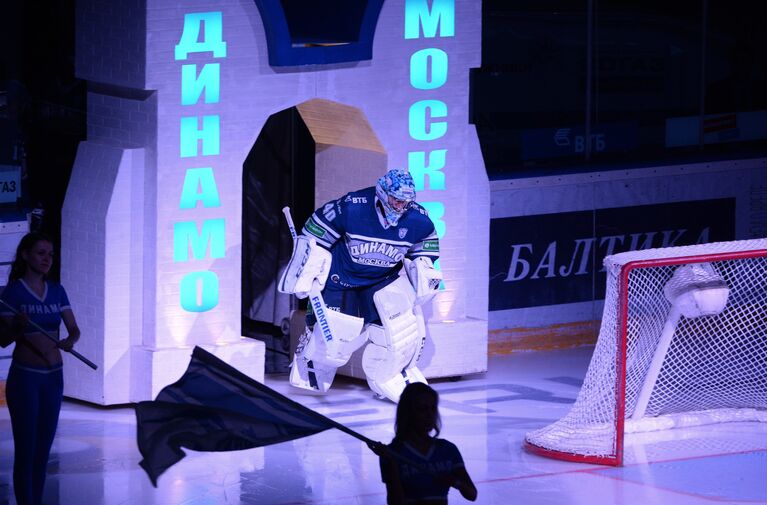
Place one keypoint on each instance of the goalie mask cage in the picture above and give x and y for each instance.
(700, 358)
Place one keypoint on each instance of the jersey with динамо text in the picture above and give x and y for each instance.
(365, 249)
(44, 311)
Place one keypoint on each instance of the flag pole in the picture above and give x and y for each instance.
(56, 340)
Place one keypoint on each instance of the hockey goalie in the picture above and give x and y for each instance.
(347, 260)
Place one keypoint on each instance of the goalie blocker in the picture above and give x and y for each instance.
(308, 263)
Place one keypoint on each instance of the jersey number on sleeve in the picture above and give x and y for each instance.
(329, 212)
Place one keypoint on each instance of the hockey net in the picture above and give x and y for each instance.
(683, 342)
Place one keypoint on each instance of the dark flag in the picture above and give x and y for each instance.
(215, 407)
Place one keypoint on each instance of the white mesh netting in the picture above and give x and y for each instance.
(715, 365)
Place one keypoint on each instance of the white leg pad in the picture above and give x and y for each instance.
(305, 374)
(393, 387)
(389, 359)
(347, 335)
(315, 363)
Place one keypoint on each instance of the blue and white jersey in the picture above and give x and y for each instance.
(45, 310)
(421, 484)
(365, 248)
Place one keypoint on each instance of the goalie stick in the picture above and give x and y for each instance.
(52, 338)
(315, 293)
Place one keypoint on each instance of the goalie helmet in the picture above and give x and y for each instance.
(395, 191)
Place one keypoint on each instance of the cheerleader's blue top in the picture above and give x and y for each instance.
(45, 311)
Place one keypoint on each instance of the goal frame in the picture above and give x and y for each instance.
(621, 336)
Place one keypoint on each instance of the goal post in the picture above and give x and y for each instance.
(682, 342)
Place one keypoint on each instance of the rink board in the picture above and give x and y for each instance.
(545, 224)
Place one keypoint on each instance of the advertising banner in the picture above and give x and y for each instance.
(551, 259)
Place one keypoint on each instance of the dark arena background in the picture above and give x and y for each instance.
(156, 142)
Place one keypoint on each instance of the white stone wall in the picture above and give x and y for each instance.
(131, 173)
(251, 90)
